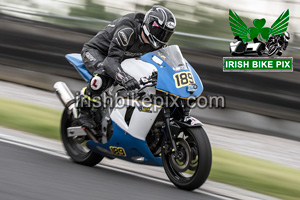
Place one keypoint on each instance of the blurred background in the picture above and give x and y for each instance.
(35, 35)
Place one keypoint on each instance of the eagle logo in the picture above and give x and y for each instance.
(239, 28)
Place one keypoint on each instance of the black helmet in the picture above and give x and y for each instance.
(159, 25)
(287, 36)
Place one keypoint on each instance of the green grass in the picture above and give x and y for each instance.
(231, 168)
(255, 174)
(30, 118)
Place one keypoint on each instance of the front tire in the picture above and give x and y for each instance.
(75, 146)
(272, 50)
(197, 155)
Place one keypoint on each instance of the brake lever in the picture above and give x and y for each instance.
(140, 92)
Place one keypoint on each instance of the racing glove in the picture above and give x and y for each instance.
(126, 80)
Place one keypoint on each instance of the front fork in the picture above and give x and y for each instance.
(169, 135)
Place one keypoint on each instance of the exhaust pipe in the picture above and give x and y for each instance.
(66, 96)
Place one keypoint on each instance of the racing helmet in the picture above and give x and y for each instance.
(286, 36)
(158, 26)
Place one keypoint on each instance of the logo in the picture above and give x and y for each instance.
(171, 25)
(145, 109)
(90, 57)
(264, 44)
(240, 29)
(96, 83)
(132, 54)
(155, 24)
(124, 35)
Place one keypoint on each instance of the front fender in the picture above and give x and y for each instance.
(189, 122)
(176, 125)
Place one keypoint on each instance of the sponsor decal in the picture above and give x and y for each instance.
(171, 25)
(157, 60)
(117, 151)
(155, 24)
(124, 35)
(96, 83)
(90, 57)
(145, 109)
(132, 54)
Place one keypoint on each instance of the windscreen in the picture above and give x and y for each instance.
(172, 55)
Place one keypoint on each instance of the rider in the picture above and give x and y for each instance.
(129, 36)
(283, 40)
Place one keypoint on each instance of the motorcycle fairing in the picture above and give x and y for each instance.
(76, 60)
(134, 147)
(165, 80)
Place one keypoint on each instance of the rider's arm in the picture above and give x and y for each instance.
(122, 39)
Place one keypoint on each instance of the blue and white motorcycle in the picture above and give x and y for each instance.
(156, 130)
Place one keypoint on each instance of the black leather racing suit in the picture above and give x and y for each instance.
(280, 40)
(119, 40)
(103, 55)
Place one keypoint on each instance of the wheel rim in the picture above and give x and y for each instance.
(182, 161)
(185, 170)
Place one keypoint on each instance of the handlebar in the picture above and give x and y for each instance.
(145, 82)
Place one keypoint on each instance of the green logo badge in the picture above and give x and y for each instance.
(258, 40)
(239, 28)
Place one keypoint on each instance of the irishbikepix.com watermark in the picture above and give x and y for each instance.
(118, 102)
(248, 64)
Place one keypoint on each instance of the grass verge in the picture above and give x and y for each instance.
(231, 168)
(30, 118)
(255, 174)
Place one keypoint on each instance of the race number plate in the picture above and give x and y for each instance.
(183, 79)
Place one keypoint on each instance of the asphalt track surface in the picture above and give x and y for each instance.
(34, 175)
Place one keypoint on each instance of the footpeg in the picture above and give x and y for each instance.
(75, 131)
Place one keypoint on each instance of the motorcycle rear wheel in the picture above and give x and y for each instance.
(191, 169)
(74, 147)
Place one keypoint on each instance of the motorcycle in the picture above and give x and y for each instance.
(157, 131)
(239, 48)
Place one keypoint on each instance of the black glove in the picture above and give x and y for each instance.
(126, 80)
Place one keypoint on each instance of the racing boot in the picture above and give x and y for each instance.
(85, 119)
(279, 53)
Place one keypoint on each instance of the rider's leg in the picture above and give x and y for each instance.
(92, 60)
(90, 96)
(279, 53)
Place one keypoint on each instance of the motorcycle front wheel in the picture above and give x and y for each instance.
(190, 169)
(272, 50)
(75, 146)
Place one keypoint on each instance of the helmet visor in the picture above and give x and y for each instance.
(160, 34)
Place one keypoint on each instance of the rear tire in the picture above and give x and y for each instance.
(199, 160)
(75, 150)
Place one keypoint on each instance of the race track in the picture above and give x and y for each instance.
(29, 174)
